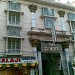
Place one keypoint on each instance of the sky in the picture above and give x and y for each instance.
(64, 1)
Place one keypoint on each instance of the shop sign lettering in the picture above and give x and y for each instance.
(17, 60)
(50, 47)
(3, 60)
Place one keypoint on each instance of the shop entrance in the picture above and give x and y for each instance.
(51, 64)
(11, 72)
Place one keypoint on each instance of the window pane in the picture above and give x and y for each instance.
(14, 6)
(13, 44)
(13, 31)
(17, 18)
(13, 19)
(17, 6)
(10, 20)
(45, 11)
(71, 16)
(10, 5)
(18, 44)
(49, 22)
(9, 44)
(73, 27)
(48, 11)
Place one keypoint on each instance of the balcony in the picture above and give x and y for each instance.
(47, 32)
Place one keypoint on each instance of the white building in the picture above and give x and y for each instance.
(36, 37)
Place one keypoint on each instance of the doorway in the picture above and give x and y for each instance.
(50, 63)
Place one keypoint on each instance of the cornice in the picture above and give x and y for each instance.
(53, 4)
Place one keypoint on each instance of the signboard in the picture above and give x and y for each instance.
(50, 47)
(17, 60)
(54, 38)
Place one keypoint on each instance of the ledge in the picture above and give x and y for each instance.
(38, 33)
(42, 16)
(10, 25)
(14, 11)
(14, 37)
(48, 34)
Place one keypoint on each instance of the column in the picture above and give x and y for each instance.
(33, 9)
(61, 14)
(35, 43)
(40, 63)
(35, 52)
(32, 71)
(33, 20)
(67, 59)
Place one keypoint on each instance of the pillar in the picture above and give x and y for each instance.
(61, 14)
(35, 43)
(32, 71)
(33, 9)
(65, 58)
(40, 63)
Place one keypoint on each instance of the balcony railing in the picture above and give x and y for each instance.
(13, 52)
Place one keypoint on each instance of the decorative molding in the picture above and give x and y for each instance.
(34, 42)
(61, 13)
(32, 8)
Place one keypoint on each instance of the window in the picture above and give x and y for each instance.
(71, 16)
(13, 31)
(13, 6)
(73, 26)
(14, 45)
(48, 11)
(14, 18)
(49, 22)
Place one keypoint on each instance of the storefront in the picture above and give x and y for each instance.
(50, 58)
(18, 66)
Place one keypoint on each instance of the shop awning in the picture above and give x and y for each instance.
(17, 62)
(20, 66)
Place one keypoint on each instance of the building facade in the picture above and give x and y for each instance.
(36, 38)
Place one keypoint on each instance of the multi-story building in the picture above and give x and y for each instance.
(36, 37)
